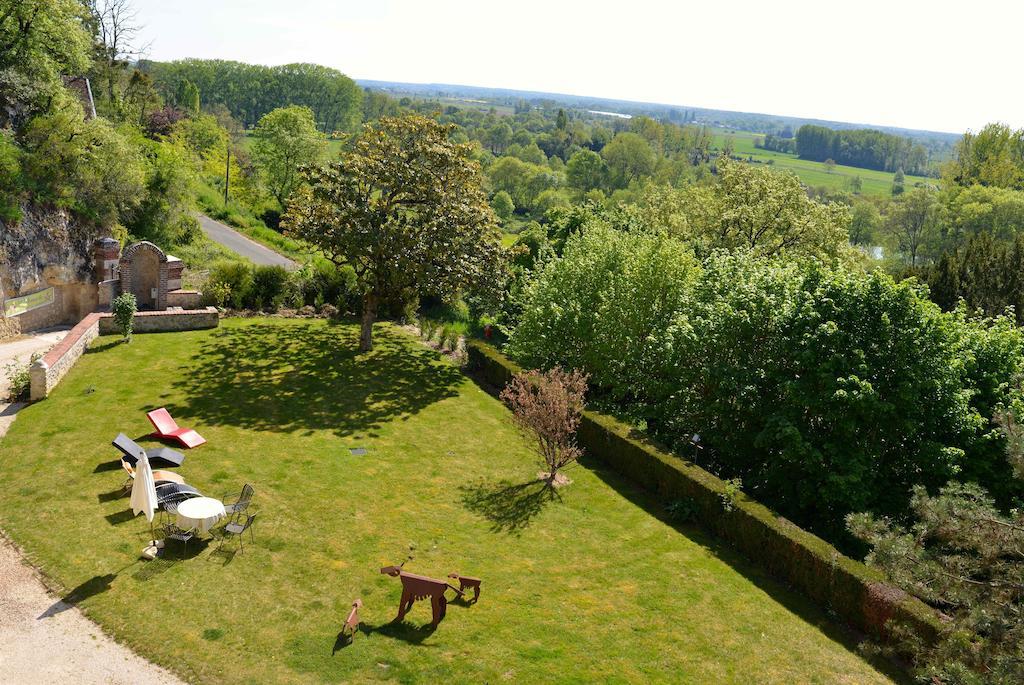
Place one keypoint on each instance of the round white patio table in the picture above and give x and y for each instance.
(200, 513)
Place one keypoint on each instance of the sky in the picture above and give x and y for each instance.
(938, 65)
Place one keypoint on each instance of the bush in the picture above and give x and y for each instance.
(18, 379)
(238, 278)
(548, 406)
(124, 307)
(268, 287)
(826, 391)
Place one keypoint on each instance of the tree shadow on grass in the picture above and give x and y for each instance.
(297, 376)
(509, 507)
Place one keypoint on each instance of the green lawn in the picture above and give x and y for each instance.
(814, 173)
(591, 584)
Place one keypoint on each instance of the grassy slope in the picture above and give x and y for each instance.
(589, 586)
(814, 173)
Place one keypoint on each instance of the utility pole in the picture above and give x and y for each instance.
(227, 175)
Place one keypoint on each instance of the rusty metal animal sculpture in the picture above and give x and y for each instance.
(467, 582)
(352, 622)
(416, 587)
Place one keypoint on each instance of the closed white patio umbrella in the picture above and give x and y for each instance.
(144, 490)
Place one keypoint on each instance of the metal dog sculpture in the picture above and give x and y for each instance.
(416, 587)
(467, 582)
(352, 622)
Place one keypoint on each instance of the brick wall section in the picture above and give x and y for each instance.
(45, 373)
(859, 595)
(48, 371)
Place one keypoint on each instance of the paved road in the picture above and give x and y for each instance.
(236, 242)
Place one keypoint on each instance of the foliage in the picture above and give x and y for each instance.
(992, 157)
(250, 91)
(962, 554)
(268, 287)
(629, 157)
(405, 209)
(798, 377)
(39, 41)
(863, 148)
(986, 273)
(124, 307)
(752, 208)
(912, 224)
(218, 292)
(237, 278)
(19, 380)
(548, 405)
(502, 205)
(87, 165)
(286, 139)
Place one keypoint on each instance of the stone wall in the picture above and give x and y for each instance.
(186, 299)
(166, 320)
(45, 373)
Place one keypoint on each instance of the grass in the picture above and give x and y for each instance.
(199, 255)
(878, 183)
(588, 584)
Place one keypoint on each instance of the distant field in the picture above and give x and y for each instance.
(814, 173)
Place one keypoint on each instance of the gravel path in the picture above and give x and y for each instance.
(42, 639)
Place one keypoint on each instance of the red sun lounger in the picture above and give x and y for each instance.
(167, 428)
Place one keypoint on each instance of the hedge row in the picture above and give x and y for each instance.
(804, 561)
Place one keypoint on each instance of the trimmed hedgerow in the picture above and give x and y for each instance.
(804, 561)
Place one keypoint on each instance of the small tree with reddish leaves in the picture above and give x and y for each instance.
(547, 405)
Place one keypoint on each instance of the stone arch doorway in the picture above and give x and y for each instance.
(144, 274)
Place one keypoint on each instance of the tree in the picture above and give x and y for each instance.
(502, 205)
(864, 223)
(405, 209)
(912, 223)
(752, 208)
(586, 171)
(187, 97)
(992, 157)
(124, 307)
(897, 183)
(830, 165)
(117, 30)
(548, 406)
(963, 556)
(286, 139)
(629, 156)
(44, 37)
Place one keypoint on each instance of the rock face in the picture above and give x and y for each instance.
(47, 248)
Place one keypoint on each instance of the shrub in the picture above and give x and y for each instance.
(827, 391)
(329, 311)
(268, 287)
(428, 328)
(548, 406)
(124, 307)
(18, 379)
(237, 276)
(217, 292)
